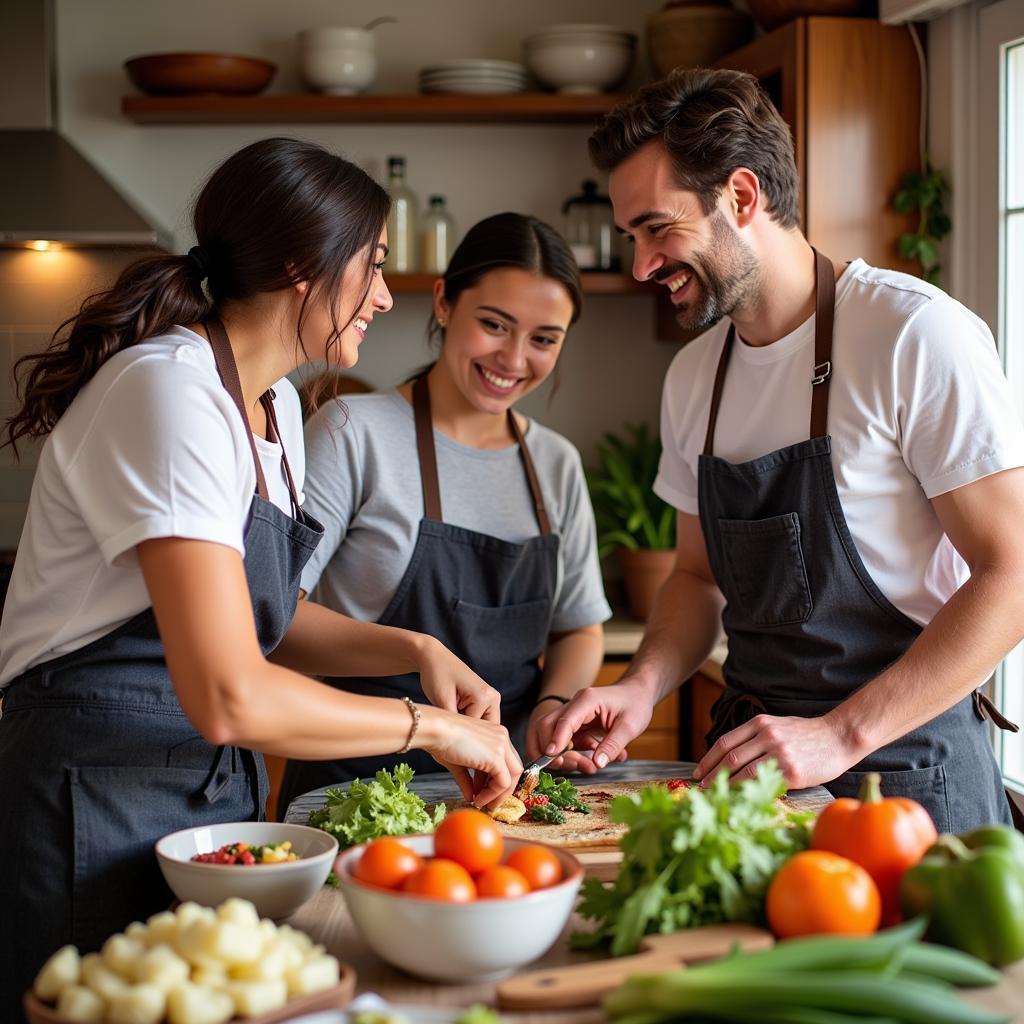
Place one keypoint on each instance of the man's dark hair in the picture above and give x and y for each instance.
(711, 122)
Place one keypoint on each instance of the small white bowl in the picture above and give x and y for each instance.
(477, 941)
(277, 890)
(338, 61)
(579, 67)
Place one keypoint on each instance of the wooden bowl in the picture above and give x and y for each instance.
(183, 74)
(695, 35)
(335, 998)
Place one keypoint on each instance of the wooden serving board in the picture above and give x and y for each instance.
(595, 833)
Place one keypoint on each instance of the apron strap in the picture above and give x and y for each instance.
(228, 370)
(267, 400)
(428, 458)
(425, 448)
(824, 318)
(984, 708)
(531, 476)
(821, 377)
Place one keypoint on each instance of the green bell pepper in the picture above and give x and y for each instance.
(971, 887)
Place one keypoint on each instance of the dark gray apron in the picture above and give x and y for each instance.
(806, 624)
(487, 600)
(98, 760)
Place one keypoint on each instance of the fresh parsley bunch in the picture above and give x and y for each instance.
(381, 807)
(693, 857)
(560, 793)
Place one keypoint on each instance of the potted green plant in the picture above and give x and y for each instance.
(632, 521)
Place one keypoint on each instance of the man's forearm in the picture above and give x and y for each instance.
(958, 650)
(682, 629)
(571, 661)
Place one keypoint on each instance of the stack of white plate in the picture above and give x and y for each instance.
(474, 76)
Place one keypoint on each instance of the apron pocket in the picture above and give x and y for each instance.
(925, 785)
(766, 570)
(118, 813)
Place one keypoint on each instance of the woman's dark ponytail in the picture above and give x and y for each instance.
(278, 211)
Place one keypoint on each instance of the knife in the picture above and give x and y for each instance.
(531, 773)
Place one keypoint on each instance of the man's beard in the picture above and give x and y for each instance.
(727, 276)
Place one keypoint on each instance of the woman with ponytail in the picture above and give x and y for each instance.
(150, 643)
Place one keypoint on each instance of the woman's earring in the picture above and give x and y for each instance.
(441, 322)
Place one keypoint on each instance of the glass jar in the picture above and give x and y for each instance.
(437, 237)
(401, 257)
(589, 228)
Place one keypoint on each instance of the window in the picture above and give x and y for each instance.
(1001, 43)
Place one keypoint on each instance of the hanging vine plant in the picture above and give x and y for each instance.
(925, 194)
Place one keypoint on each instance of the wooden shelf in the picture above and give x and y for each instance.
(518, 108)
(593, 284)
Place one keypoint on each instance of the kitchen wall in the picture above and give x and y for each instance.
(612, 368)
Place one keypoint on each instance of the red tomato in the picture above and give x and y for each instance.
(537, 864)
(501, 882)
(386, 862)
(469, 838)
(441, 879)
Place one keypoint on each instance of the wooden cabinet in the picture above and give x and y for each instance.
(704, 689)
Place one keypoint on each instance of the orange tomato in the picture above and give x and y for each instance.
(469, 838)
(537, 864)
(441, 879)
(501, 882)
(816, 892)
(884, 836)
(386, 862)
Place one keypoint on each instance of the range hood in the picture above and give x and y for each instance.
(50, 194)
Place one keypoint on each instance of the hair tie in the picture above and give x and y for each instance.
(200, 260)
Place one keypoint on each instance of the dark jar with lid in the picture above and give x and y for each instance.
(589, 228)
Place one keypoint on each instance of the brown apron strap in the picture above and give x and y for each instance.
(228, 370)
(824, 318)
(716, 392)
(425, 448)
(984, 708)
(274, 434)
(531, 476)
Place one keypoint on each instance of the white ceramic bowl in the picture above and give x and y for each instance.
(579, 67)
(277, 890)
(477, 941)
(337, 61)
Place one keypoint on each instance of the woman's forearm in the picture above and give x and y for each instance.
(572, 661)
(321, 642)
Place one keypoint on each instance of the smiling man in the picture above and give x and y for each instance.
(844, 455)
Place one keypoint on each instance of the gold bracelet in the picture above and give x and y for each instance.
(416, 716)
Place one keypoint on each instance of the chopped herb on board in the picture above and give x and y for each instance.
(560, 792)
(693, 857)
(384, 806)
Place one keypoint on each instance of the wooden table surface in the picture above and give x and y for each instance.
(325, 918)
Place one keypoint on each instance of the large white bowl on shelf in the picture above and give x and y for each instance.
(277, 890)
(588, 64)
(477, 941)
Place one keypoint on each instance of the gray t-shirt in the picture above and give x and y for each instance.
(363, 484)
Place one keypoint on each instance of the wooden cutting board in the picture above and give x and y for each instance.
(586, 984)
(595, 831)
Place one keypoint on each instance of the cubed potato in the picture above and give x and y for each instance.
(239, 911)
(63, 968)
(188, 912)
(81, 1005)
(100, 978)
(253, 998)
(221, 942)
(138, 931)
(161, 966)
(313, 976)
(211, 977)
(140, 1004)
(161, 928)
(120, 954)
(194, 1004)
(272, 963)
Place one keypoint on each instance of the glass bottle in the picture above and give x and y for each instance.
(589, 229)
(437, 237)
(401, 220)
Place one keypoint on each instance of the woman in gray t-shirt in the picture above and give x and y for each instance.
(448, 515)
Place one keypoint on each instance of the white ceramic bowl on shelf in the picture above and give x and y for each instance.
(481, 940)
(277, 890)
(581, 63)
(337, 61)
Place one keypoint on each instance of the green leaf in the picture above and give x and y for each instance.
(927, 252)
(904, 201)
(908, 246)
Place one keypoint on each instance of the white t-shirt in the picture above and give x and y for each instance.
(153, 446)
(918, 406)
